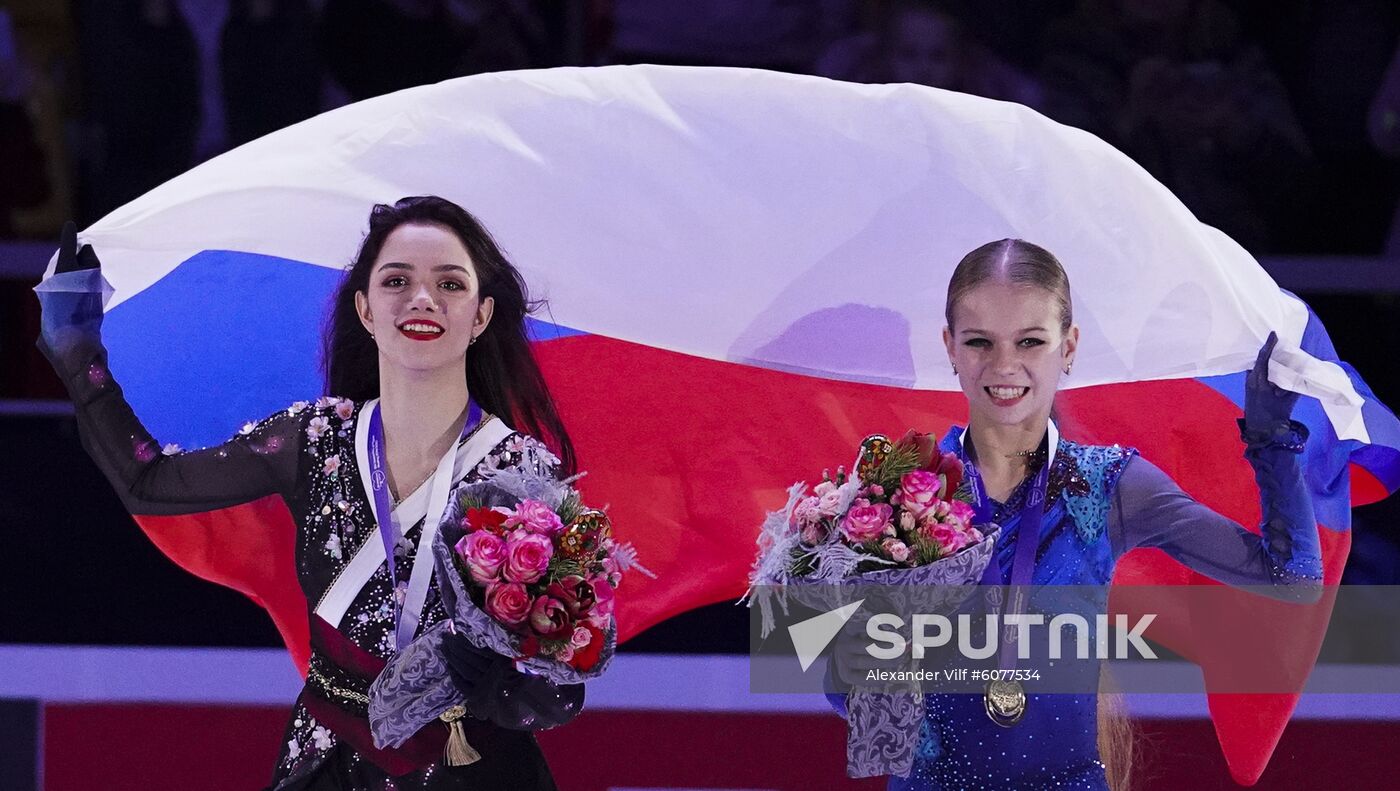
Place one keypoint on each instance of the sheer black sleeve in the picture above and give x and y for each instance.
(261, 460)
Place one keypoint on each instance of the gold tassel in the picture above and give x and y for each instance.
(458, 752)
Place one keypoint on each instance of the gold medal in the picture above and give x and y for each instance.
(1005, 702)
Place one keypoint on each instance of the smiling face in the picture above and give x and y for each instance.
(1009, 351)
(423, 304)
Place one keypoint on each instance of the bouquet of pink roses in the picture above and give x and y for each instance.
(902, 509)
(546, 574)
(525, 570)
(902, 521)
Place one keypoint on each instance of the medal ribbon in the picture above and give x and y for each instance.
(1026, 532)
(383, 508)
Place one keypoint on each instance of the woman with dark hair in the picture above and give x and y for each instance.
(1010, 337)
(427, 350)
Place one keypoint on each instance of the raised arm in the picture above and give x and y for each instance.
(1150, 510)
(150, 479)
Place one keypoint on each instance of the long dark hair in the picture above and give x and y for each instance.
(502, 373)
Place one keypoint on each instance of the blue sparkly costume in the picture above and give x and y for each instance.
(1102, 502)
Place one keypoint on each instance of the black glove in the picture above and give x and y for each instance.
(476, 672)
(70, 258)
(70, 318)
(1268, 408)
(496, 691)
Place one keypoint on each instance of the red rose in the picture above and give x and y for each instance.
(925, 444)
(586, 658)
(486, 519)
(951, 467)
(549, 619)
(575, 593)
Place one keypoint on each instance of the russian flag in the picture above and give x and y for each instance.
(745, 274)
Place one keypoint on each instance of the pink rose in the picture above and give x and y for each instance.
(961, 511)
(507, 602)
(604, 595)
(897, 550)
(825, 487)
(527, 557)
(483, 552)
(565, 653)
(536, 517)
(866, 522)
(907, 522)
(805, 512)
(581, 637)
(948, 537)
(918, 491)
(813, 534)
(549, 619)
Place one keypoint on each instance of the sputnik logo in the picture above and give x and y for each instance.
(812, 636)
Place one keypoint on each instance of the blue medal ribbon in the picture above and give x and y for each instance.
(379, 481)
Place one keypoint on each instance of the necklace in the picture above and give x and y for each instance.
(1031, 456)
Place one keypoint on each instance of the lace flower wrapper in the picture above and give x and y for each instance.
(882, 728)
(415, 687)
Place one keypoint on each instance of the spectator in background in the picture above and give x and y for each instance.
(142, 81)
(1223, 138)
(270, 71)
(1339, 64)
(772, 34)
(1091, 52)
(375, 47)
(504, 35)
(1384, 127)
(23, 179)
(921, 43)
(1173, 84)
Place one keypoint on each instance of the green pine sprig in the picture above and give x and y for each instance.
(901, 460)
(570, 509)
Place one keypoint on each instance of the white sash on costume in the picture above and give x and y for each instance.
(429, 500)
